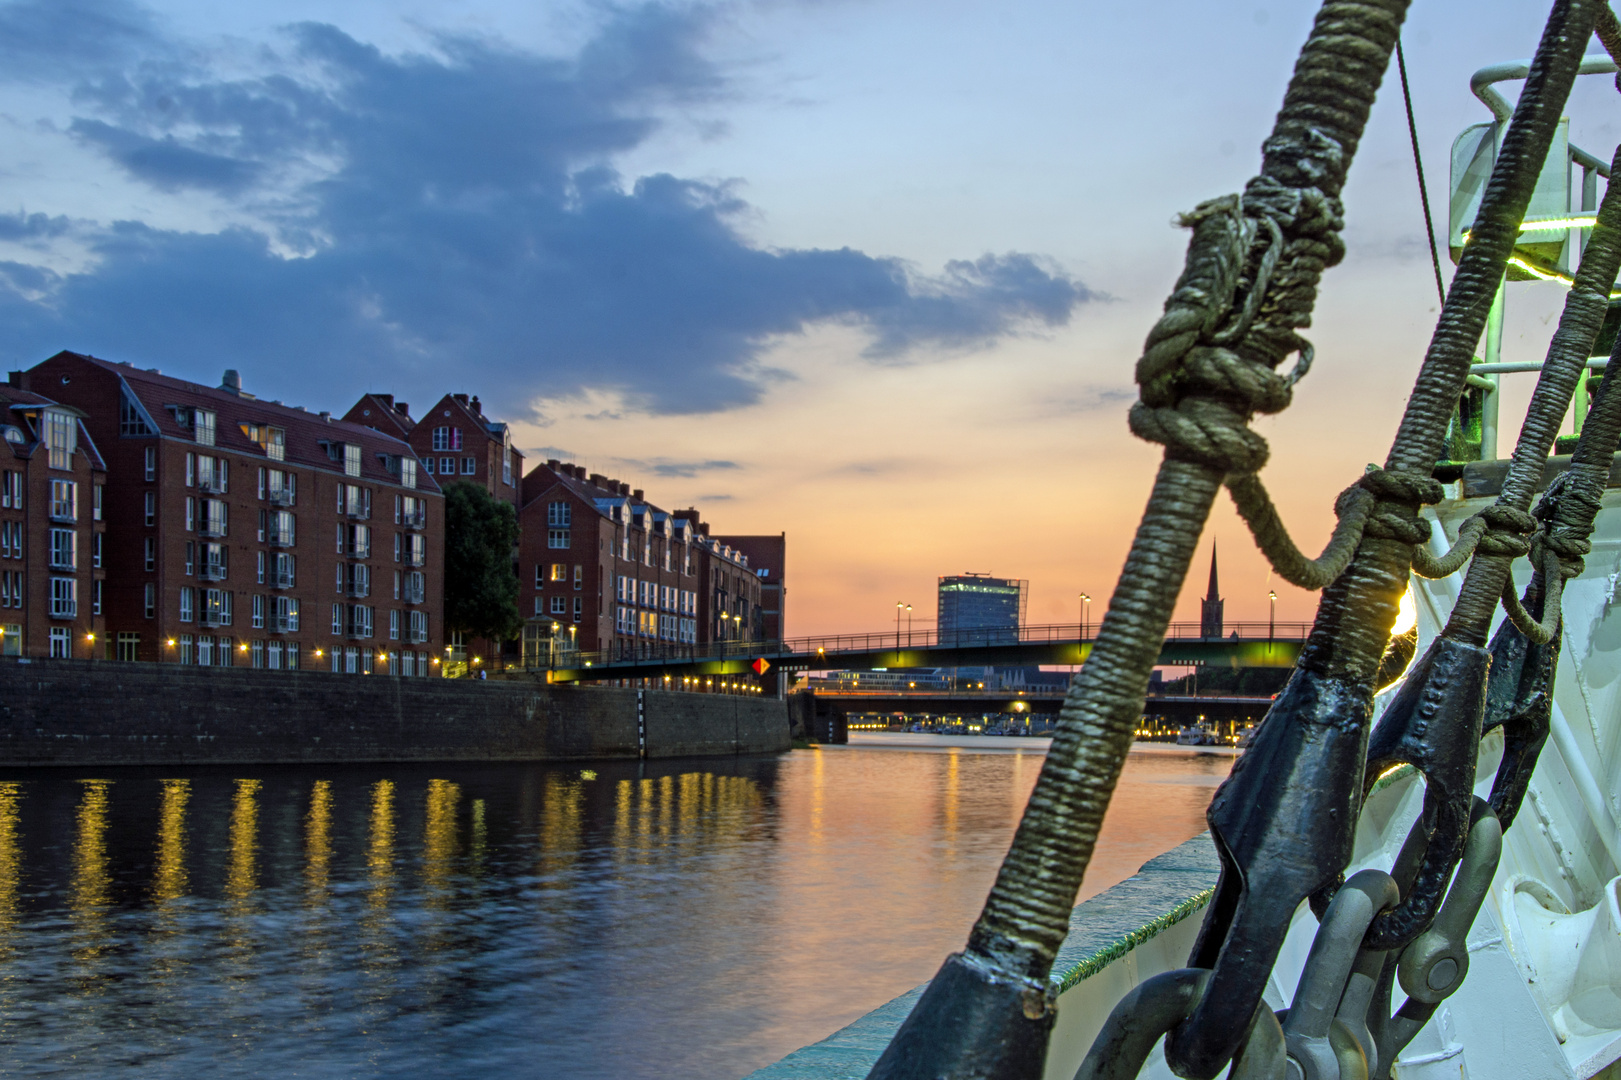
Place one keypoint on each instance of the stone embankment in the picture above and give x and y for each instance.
(80, 712)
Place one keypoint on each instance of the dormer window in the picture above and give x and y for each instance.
(351, 459)
(273, 440)
(202, 426)
(62, 436)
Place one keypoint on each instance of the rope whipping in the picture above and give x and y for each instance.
(1572, 344)
(1210, 363)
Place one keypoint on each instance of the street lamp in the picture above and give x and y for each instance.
(1085, 610)
(1272, 618)
(898, 607)
(908, 624)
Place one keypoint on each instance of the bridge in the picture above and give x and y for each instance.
(1248, 644)
(1177, 709)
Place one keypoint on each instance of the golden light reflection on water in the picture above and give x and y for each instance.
(479, 839)
(318, 842)
(10, 861)
(241, 867)
(169, 872)
(439, 840)
(561, 801)
(952, 797)
(818, 783)
(92, 886)
(380, 848)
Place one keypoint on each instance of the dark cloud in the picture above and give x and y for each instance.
(683, 469)
(463, 217)
(48, 40)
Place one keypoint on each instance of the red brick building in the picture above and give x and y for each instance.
(247, 532)
(766, 556)
(602, 570)
(52, 486)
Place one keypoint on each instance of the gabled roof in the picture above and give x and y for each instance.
(382, 412)
(307, 434)
(19, 399)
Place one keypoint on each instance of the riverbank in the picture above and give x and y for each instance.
(79, 712)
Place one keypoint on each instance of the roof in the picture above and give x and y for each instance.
(20, 399)
(382, 412)
(307, 434)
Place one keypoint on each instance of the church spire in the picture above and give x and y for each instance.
(1210, 608)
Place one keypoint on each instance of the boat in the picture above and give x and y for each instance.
(1506, 967)
(1194, 735)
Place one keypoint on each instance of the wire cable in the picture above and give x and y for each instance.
(1418, 161)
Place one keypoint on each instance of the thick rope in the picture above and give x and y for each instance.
(1208, 366)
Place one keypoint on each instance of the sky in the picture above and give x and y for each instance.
(873, 274)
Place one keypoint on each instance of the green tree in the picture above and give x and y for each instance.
(481, 587)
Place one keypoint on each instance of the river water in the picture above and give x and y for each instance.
(693, 919)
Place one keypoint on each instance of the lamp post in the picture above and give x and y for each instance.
(908, 625)
(1272, 618)
(1085, 610)
(898, 607)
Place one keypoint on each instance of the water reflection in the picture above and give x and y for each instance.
(672, 919)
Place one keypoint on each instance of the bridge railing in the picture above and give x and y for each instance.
(829, 647)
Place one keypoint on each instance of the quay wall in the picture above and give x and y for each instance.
(82, 712)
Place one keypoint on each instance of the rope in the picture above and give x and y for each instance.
(1418, 162)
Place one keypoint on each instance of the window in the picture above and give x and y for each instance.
(283, 528)
(64, 500)
(64, 549)
(359, 621)
(408, 472)
(469, 466)
(624, 547)
(257, 617)
(11, 491)
(281, 487)
(216, 607)
(11, 639)
(579, 577)
(283, 571)
(257, 651)
(427, 465)
(202, 427)
(64, 597)
(337, 622)
(416, 550)
(579, 609)
(415, 587)
(132, 418)
(394, 626)
(559, 514)
(149, 555)
(647, 552)
(447, 466)
(559, 605)
(129, 645)
(151, 463)
(354, 501)
(260, 571)
(151, 601)
(191, 513)
(418, 633)
(506, 466)
(95, 550)
(285, 614)
(213, 521)
(557, 539)
(447, 438)
(273, 440)
(62, 436)
(187, 602)
(191, 469)
(185, 648)
(61, 643)
(355, 541)
(559, 572)
(152, 508)
(95, 513)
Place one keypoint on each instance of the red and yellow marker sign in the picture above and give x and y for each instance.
(760, 666)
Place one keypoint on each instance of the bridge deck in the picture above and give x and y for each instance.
(1249, 645)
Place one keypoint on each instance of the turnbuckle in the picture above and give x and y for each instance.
(1283, 823)
(1519, 698)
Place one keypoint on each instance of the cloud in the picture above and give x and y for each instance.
(683, 469)
(457, 208)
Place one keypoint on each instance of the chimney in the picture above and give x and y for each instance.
(474, 405)
(637, 495)
(624, 489)
(386, 399)
(326, 416)
(459, 397)
(232, 383)
(552, 464)
(403, 409)
(598, 480)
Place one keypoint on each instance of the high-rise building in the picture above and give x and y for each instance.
(977, 609)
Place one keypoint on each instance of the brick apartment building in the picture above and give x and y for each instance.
(603, 570)
(766, 556)
(454, 440)
(52, 486)
(246, 532)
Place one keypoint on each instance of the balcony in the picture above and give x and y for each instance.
(210, 485)
(357, 551)
(357, 633)
(357, 589)
(280, 580)
(413, 594)
(68, 564)
(414, 558)
(281, 497)
(212, 572)
(357, 511)
(418, 520)
(281, 624)
(211, 527)
(416, 637)
(212, 618)
(281, 538)
(64, 511)
(64, 609)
